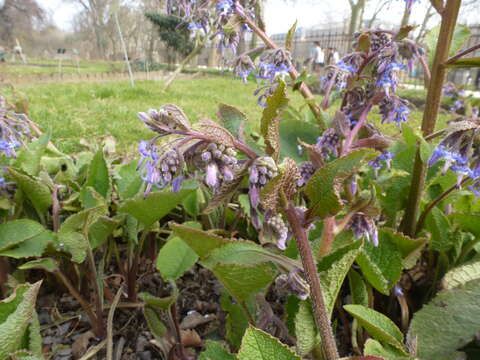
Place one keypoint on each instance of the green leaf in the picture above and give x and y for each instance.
(426, 150)
(214, 350)
(378, 325)
(242, 281)
(404, 31)
(460, 36)
(290, 37)
(358, 288)
(373, 347)
(236, 322)
(16, 315)
(72, 232)
(98, 176)
(324, 186)
(156, 205)
(381, 265)
(258, 345)
(37, 192)
(154, 322)
(101, 230)
(30, 247)
(46, 264)
(156, 302)
(17, 231)
(305, 328)
(410, 249)
(473, 62)
(174, 258)
(29, 158)
(291, 131)
(269, 125)
(333, 269)
(202, 242)
(450, 321)
(232, 119)
(461, 275)
(467, 222)
(128, 180)
(438, 225)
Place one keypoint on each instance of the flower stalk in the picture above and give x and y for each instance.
(434, 94)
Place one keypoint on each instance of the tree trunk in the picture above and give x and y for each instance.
(423, 27)
(213, 53)
(356, 11)
(405, 17)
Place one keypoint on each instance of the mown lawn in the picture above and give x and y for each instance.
(38, 66)
(90, 110)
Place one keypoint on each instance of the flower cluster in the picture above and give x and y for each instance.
(382, 160)
(262, 170)
(14, 128)
(275, 228)
(363, 225)
(218, 162)
(394, 109)
(293, 283)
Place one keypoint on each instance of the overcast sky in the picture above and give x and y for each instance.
(280, 14)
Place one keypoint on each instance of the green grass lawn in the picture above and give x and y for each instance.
(37, 66)
(92, 110)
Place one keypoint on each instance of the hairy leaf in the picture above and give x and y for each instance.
(377, 324)
(269, 125)
(47, 264)
(324, 186)
(127, 180)
(215, 350)
(305, 328)
(438, 225)
(98, 176)
(461, 275)
(36, 191)
(17, 231)
(258, 345)
(450, 321)
(156, 205)
(30, 247)
(242, 281)
(358, 288)
(233, 120)
(174, 258)
(16, 315)
(236, 322)
(29, 158)
(373, 347)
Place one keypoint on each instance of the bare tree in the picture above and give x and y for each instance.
(19, 19)
(357, 7)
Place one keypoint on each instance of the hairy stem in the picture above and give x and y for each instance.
(318, 302)
(303, 89)
(449, 19)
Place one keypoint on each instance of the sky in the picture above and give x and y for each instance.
(280, 14)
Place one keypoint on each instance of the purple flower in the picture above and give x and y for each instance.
(276, 229)
(262, 170)
(388, 75)
(475, 188)
(211, 175)
(362, 225)
(306, 171)
(394, 109)
(328, 143)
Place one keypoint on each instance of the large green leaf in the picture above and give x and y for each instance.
(101, 230)
(29, 158)
(36, 191)
(358, 288)
(154, 321)
(324, 186)
(232, 119)
(15, 232)
(242, 281)
(47, 264)
(450, 321)
(258, 345)
(215, 350)
(461, 275)
(202, 242)
(98, 176)
(156, 205)
(467, 222)
(30, 247)
(17, 313)
(410, 249)
(378, 325)
(174, 258)
(305, 329)
(438, 225)
(128, 180)
(333, 269)
(381, 265)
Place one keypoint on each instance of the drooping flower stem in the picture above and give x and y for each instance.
(318, 302)
(449, 20)
(303, 89)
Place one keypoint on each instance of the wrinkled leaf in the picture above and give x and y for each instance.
(36, 191)
(215, 350)
(258, 345)
(461, 275)
(233, 120)
(438, 225)
(305, 328)
(174, 258)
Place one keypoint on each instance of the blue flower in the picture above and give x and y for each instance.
(388, 79)
(224, 7)
(394, 109)
(381, 160)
